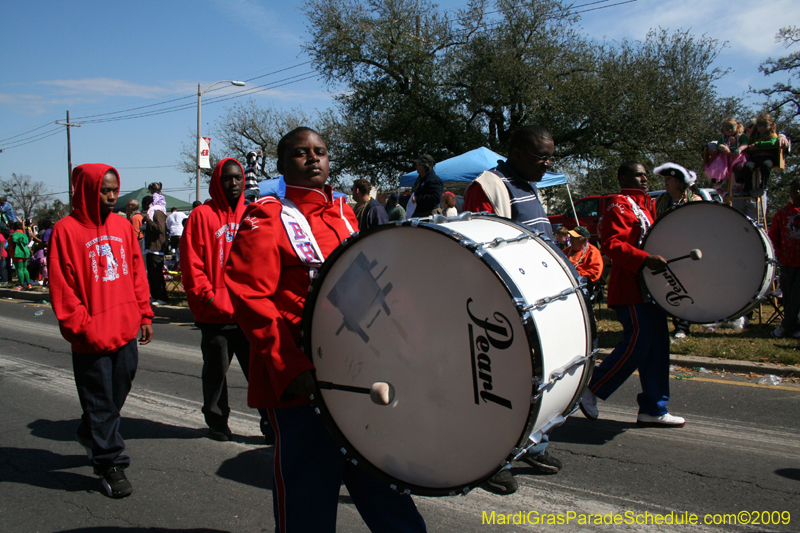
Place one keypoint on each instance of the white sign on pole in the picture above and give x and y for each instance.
(205, 148)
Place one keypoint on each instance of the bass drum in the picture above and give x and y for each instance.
(734, 273)
(477, 326)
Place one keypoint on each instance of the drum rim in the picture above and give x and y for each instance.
(528, 325)
(765, 274)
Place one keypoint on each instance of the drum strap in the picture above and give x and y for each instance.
(644, 222)
(299, 233)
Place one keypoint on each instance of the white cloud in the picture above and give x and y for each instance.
(259, 21)
(109, 87)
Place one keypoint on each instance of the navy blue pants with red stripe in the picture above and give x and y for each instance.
(309, 470)
(644, 347)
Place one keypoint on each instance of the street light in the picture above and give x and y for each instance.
(199, 95)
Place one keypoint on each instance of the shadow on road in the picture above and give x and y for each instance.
(593, 432)
(106, 529)
(252, 467)
(43, 468)
(130, 428)
(789, 473)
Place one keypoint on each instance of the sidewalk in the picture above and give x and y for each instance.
(180, 314)
(183, 314)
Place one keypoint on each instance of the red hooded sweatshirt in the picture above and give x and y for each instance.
(205, 246)
(98, 282)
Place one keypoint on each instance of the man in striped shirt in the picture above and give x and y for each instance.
(252, 191)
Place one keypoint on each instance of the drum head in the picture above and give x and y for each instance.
(728, 278)
(411, 307)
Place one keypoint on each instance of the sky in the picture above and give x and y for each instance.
(114, 64)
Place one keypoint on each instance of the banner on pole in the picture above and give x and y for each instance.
(205, 148)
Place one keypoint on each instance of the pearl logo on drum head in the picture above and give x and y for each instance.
(498, 335)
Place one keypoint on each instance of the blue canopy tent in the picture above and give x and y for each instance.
(277, 187)
(467, 166)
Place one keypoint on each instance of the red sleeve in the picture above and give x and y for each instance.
(618, 224)
(199, 289)
(253, 274)
(65, 291)
(475, 200)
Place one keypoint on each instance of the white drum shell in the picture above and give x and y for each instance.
(410, 305)
(735, 272)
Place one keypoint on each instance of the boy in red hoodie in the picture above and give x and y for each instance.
(205, 245)
(102, 300)
(785, 235)
(267, 274)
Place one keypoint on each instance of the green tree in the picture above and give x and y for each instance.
(55, 210)
(422, 80)
(23, 193)
(248, 126)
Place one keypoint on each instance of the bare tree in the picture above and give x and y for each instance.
(23, 193)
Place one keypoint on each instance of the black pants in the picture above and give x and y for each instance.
(103, 383)
(764, 164)
(220, 342)
(155, 277)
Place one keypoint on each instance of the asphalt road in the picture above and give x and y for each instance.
(739, 453)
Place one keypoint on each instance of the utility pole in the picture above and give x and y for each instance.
(69, 125)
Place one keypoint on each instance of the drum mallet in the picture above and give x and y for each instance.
(381, 393)
(695, 254)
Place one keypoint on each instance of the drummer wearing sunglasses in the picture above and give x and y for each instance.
(645, 344)
(509, 190)
(279, 245)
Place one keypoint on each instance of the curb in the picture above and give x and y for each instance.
(183, 314)
(727, 365)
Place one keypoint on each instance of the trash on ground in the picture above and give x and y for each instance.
(769, 379)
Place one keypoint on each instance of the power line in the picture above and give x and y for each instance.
(26, 132)
(34, 139)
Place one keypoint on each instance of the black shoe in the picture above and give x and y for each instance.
(115, 483)
(502, 483)
(220, 433)
(543, 464)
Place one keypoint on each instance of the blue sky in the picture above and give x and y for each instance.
(99, 57)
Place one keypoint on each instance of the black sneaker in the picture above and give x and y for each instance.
(220, 433)
(543, 464)
(502, 483)
(115, 484)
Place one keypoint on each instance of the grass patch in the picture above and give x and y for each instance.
(754, 343)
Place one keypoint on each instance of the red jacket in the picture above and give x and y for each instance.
(97, 277)
(620, 237)
(268, 285)
(205, 245)
(785, 235)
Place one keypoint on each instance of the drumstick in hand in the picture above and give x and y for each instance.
(381, 393)
(695, 254)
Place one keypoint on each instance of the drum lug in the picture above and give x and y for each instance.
(559, 374)
(543, 302)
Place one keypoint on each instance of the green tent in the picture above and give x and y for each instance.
(141, 193)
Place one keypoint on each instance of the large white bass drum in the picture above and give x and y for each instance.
(444, 348)
(721, 264)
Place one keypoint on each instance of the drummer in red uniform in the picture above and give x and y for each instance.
(645, 344)
(279, 246)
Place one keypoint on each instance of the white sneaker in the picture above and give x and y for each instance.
(664, 421)
(680, 335)
(778, 332)
(158, 302)
(588, 405)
